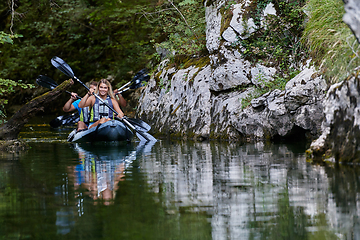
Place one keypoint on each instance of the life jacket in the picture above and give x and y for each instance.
(100, 110)
(85, 115)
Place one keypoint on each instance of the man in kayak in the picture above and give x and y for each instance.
(100, 112)
(73, 104)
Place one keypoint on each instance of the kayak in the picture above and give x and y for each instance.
(113, 130)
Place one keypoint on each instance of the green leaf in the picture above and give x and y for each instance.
(187, 2)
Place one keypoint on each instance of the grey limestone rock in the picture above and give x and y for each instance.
(209, 102)
(341, 125)
(352, 16)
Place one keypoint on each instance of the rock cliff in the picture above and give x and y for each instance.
(215, 96)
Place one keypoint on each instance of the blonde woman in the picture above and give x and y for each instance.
(100, 112)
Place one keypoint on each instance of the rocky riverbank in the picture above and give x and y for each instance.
(215, 97)
(207, 99)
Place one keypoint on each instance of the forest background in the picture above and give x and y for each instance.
(97, 38)
(102, 38)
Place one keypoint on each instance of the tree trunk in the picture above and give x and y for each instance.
(11, 129)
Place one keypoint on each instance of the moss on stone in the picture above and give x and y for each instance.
(157, 76)
(196, 62)
(226, 16)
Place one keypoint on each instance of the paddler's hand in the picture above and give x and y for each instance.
(90, 92)
(121, 115)
(74, 96)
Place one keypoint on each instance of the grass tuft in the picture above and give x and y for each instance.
(332, 44)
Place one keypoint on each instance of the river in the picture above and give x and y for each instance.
(172, 190)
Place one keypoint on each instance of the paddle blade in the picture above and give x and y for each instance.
(139, 124)
(138, 83)
(65, 120)
(145, 137)
(46, 82)
(62, 66)
(139, 79)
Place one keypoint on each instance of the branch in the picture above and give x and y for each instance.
(184, 19)
(11, 129)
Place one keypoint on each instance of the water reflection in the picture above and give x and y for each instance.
(100, 170)
(101, 167)
(256, 191)
(96, 176)
(176, 190)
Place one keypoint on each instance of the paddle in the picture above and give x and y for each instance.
(133, 86)
(139, 123)
(137, 81)
(65, 120)
(65, 68)
(47, 82)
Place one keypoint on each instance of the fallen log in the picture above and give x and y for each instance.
(10, 129)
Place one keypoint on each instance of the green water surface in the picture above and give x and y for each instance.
(172, 190)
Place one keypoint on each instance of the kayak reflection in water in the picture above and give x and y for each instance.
(96, 176)
(100, 170)
(99, 177)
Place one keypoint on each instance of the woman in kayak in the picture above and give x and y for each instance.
(100, 113)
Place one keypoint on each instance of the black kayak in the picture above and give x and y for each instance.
(113, 130)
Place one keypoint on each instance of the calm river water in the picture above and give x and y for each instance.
(172, 190)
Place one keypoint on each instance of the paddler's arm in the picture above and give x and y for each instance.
(69, 107)
(117, 108)
(87, 100)
(120, 98)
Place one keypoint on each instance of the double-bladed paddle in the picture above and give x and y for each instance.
(47, 82)
(65, 120)
(66, 69)
(137, 81)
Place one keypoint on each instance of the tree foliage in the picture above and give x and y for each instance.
(6, 85)
(277, 36)
(183, 27)
(98, 38)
